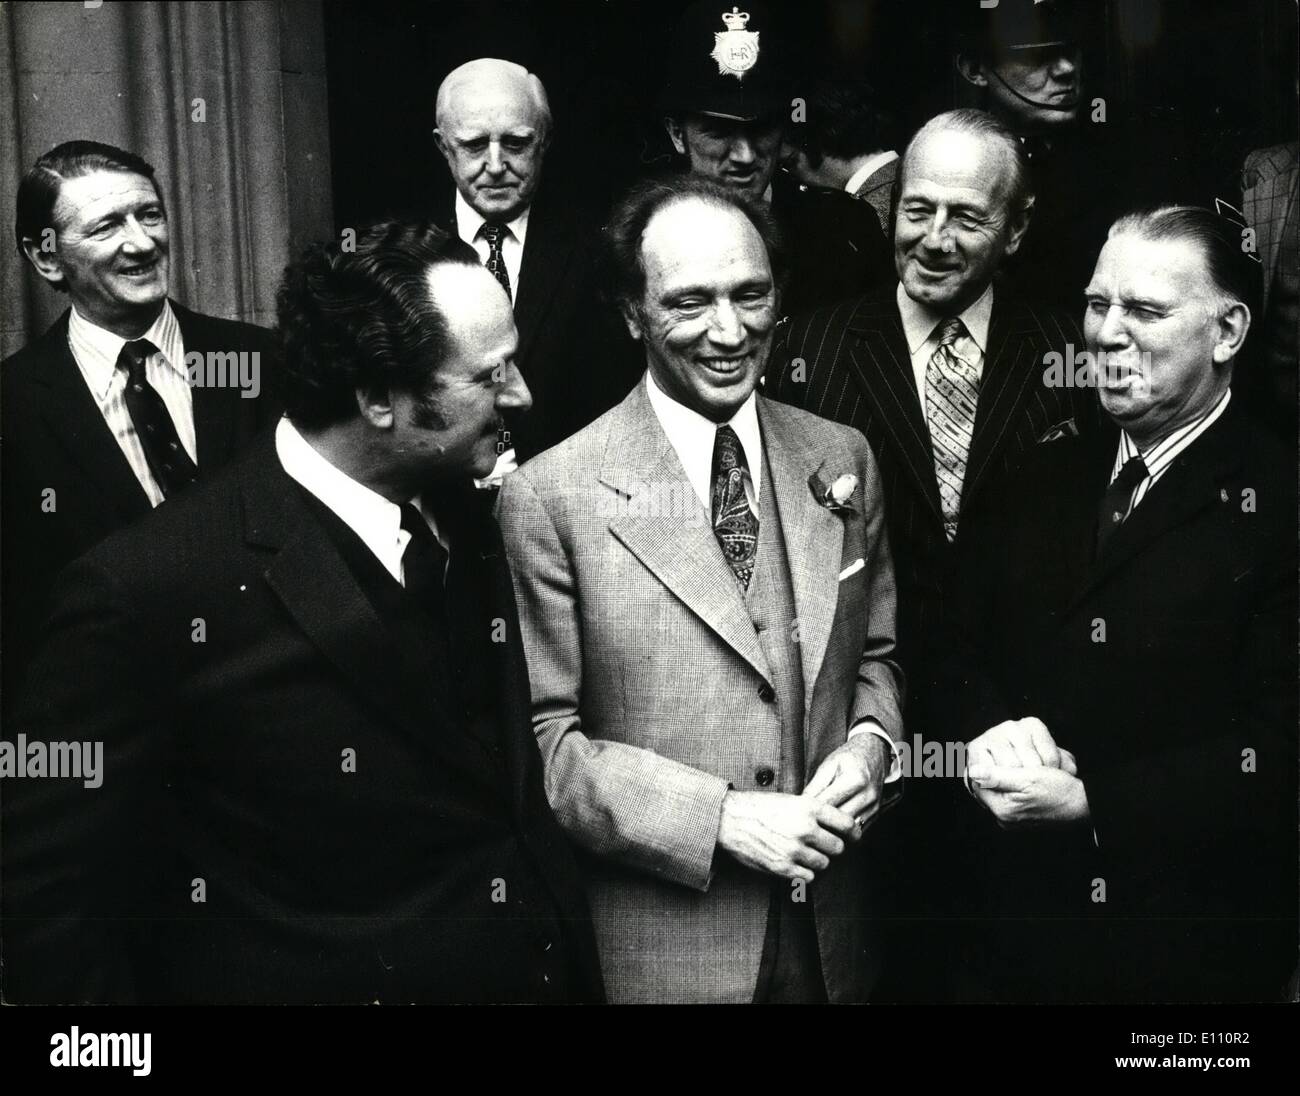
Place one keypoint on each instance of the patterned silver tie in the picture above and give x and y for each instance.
(951, 394)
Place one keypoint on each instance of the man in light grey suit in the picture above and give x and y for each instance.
(707, 601)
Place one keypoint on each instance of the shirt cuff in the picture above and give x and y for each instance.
(870, 726)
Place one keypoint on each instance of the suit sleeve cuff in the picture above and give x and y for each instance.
(870, 726)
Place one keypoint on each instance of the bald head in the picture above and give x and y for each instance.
(493, 127)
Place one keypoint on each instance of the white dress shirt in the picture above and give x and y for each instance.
(367, 513)
(469, 227)
(692, 435)
(879, 160)
(96, 350)
(921, 330)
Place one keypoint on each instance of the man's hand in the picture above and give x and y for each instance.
(851, 779)
(792, 836)
(1017, 743)
(1031, 796)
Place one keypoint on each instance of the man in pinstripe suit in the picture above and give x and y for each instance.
(707, 602)
(944, 374)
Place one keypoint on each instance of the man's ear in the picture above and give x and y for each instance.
(44, 256)
(376, 406)
(971, 69)
(1019, 226)
(1232, 328)
(441, 142)
(676, 133)
(633, 321)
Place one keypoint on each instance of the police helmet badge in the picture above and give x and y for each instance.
(735, 49)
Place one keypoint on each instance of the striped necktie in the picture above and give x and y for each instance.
(951, 393)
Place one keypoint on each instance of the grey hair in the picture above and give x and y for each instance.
(980, 123)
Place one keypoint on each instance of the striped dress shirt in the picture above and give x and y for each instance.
(1162, 455)
(96, 351)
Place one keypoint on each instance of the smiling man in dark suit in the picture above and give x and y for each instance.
(103, 418)
(1125, 663)
(944, 374)
(319, 781)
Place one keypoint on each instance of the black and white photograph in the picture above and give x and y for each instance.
(573, 503)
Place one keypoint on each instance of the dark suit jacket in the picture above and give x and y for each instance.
(574, 352)
(1197, 594)
(433, 872)
(858, 371)
(52, 436)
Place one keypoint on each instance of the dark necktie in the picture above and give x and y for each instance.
(496, 263)
(169, 464)
(734, 523)
(1114, 503)
(424, 563)
(952, 388)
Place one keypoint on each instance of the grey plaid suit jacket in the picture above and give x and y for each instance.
(648, 680)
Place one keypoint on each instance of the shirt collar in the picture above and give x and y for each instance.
(97, 349)
(692, 435)
(469, 221)
(367, 513)
(868, 169)
(1163, 453)
(919, 320)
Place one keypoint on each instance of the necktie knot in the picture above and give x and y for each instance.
(1133, 473)
(132, 358)
(494, 232)
(728, 453)
(950, 330)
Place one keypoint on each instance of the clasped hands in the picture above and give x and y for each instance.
(795, 836)
(1017, 771)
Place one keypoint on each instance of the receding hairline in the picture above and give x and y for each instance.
(985, 130)
(524, 84)
(708, 200)
(61, 197)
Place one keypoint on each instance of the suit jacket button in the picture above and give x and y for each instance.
(766, 693)
(763, 777)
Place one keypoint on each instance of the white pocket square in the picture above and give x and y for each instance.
(853, 568)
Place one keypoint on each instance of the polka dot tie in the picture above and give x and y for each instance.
(169, 463)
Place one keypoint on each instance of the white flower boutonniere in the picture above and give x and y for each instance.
(834, 494)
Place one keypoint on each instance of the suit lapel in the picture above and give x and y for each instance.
(215, 409)
(316, 586)
(1011, 369)
(73, 419)
(883, 368)
(1187, 489)
(674, 541)
(814, 535)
